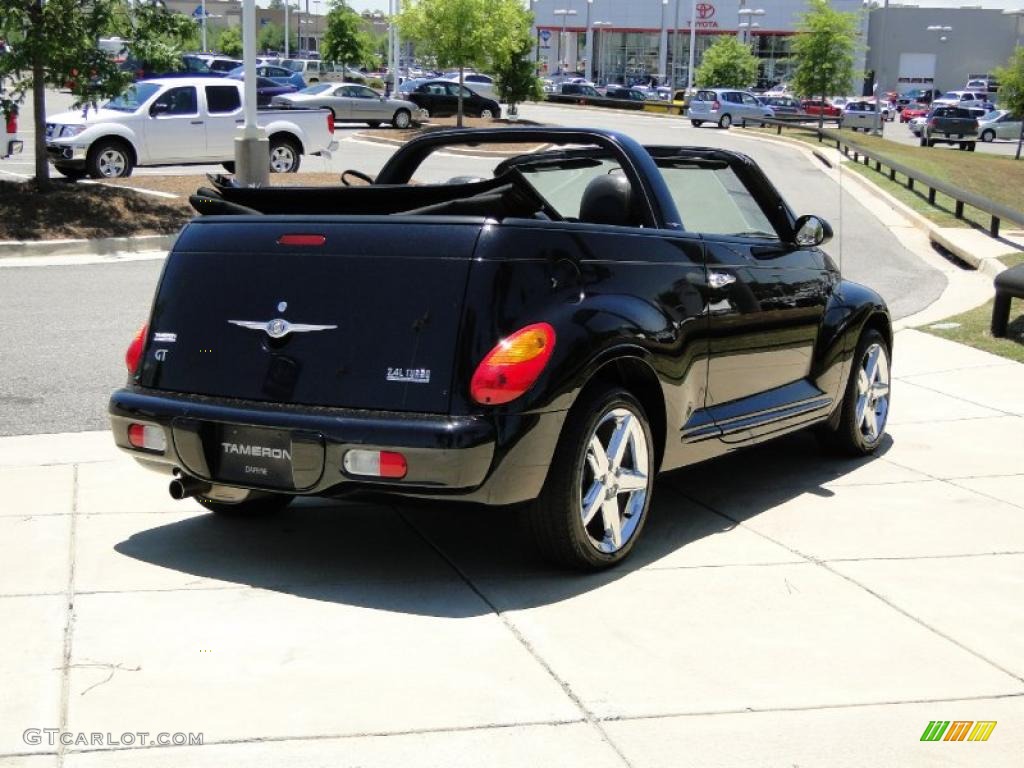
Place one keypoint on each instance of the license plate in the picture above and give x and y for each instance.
(255, 456)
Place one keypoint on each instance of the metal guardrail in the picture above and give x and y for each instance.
(996, 211)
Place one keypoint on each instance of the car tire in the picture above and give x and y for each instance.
(402, 119)
(486, 114)
(557, 518)
(229, 166)
(109, 159)
(925, 142)
(725, 121)
(73, 174)
(864, 410)
(696, 123)
(970, 146)
(988, 135)
(284, 156)
(262, 505)
(373, 123)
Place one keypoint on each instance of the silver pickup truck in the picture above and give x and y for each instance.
(179, 121)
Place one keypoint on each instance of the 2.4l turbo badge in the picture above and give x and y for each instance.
(409, 375)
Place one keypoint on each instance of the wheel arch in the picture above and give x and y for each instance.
(634, 374)
(127, 142)
(290, 136)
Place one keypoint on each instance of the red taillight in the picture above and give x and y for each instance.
(514, 364)
(311, 240)
(933, 123)
(12, 124)
(716, 105)
(330, 122)
(148, 437)
(133, 356)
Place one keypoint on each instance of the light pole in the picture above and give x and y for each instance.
(564, 13)
(746, 22)
(693, 45)
(943, 37)
(252, 149)
(601, 40)
(663, 44)
(675, 52)
(590, 46)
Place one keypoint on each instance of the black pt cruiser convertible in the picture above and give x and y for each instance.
(554, 335)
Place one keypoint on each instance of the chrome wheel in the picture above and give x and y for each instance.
(615, 480)
(111, 163)
(486, 113)
(282, 158)
(402, 119)
(873, 393)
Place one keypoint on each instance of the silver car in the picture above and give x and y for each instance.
(353, 103)
(999, 124)
(725, 106)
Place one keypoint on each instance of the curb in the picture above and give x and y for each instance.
(79, 247)
(985, 266)
(483, 153)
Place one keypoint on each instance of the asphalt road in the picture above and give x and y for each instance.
(64, 329)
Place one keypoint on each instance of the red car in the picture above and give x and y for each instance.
(818, 107)
(911, 111)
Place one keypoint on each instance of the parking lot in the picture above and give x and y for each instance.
(785, 607)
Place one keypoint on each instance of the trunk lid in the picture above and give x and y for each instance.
(356, 312)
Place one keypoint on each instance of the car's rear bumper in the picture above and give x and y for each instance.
(485, 458)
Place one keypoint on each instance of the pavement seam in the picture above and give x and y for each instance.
(953, 482)
(965, 400)
(877, 595)
(593, 720)
(69, 621)
(811, 708)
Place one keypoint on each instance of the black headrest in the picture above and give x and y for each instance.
(608, 199)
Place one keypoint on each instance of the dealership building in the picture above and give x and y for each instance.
(643, 41)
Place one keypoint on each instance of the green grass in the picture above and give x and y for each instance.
(973, 326)
(997, 177)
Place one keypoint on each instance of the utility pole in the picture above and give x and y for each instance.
(287, 35)
(693, 45)
(252, 149)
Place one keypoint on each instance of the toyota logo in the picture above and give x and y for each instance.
(705, 11)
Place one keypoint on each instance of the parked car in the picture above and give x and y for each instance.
(315, 70)
(661, 307)
(267, 90)
(950, 125)
(863, 114)
(178, 121)
(583, 89)
(724, 106)
(819, 107)
(353, 103)
(628, 94)
(481, 84)
(920, 95)
(916, 124)
(783, 105)
(982, 84)
(280, 75)
(222, 65)
(438, 98)
(910, 111)
(961, 98)
(1000, 124)
(191, 66)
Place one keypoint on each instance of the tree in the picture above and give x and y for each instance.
(515, 75)
(271, 38)
(823, 50)
(230, 42)
(344, 40)
(1011, 89)
(728, 63)
(54, 44)
(456, 32)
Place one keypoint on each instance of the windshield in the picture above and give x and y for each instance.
(318, 88)
(292, 65)
(951, 95)
(133, 98)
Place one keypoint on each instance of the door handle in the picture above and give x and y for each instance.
(719, 280)
(197, 122)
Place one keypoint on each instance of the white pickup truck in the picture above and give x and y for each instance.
(179, 121)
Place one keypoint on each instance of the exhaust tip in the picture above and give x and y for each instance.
(185, 487)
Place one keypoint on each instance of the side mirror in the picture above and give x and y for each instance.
(159, 108)
(810, 231)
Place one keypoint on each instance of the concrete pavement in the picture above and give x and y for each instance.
(784, 608)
